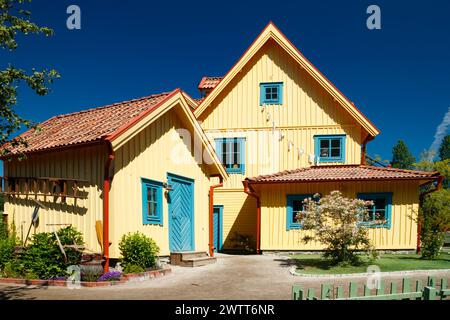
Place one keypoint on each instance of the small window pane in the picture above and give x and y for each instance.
(335, 143)
(335, 152)
(380, 203)
(324, 152)
(149, 193)
(297, 206)
(324, 143)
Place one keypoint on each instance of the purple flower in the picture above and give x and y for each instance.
(110, 276)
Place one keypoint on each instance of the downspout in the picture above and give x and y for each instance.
(422, 196)
(364, 147)
(247, 190)
(211, 215)
(106, 185)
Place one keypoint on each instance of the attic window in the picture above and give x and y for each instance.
(271, 93)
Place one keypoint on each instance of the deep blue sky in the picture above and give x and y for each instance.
(399, 76)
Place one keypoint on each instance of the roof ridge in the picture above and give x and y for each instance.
(107, 106)
(402, 170)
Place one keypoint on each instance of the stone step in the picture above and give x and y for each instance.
(197, 262)
(191, 258)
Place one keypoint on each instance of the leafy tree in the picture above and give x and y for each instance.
(2, 203)
(434, 211)
(426, 164)
(444, 149)
(335, 221)
(401, 156)
(434, 216)
(15, 21)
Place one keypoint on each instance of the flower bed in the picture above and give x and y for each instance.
(107, 279)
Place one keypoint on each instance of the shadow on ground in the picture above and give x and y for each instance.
(19, 292)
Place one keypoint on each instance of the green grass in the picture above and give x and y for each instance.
(315, 264)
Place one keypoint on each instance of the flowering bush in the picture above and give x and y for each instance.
(110, 276)
(58, 279)
(335, 221)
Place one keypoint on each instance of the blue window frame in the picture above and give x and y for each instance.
(152, 202)
(330, 148)
(231, 152)
(379, 214)
(294, 204)
(271, 93)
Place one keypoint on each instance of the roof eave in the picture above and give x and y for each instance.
(426, 179)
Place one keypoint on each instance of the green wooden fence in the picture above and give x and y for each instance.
(418, 292)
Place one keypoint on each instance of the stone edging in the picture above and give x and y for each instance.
(62, 283)
(293, 271)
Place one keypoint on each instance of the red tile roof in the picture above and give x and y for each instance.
(198, 100)
(209, 82)
(86, 126)
(325, 173)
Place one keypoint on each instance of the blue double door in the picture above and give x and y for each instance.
(181, 213)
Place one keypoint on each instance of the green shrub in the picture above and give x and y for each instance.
(90, 275)
(7, 247)
(70, 236)
(138, 250)
(131, 268)
(43, 256)
(12, 269)
(8, 243)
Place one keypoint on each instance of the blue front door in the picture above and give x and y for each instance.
(181, 213)
(217, 228)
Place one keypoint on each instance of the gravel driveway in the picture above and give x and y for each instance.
(232, 277)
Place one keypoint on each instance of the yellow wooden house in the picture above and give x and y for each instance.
(284, 133)
(130, 166)
(222, 172)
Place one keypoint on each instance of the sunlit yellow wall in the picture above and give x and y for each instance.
(82, 163)
(401, 235)
(152, 154)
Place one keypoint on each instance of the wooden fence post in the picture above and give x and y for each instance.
(429, 293)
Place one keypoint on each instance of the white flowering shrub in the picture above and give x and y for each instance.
(335, 221)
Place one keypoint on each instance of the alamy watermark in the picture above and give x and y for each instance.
(373, 22)
(73, 21)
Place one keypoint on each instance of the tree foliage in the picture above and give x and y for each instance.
(14, 20)
(434, 211)
(444, 149)
(434, 217)
(401, 156)
(335, 221)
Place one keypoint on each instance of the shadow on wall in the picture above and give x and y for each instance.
(242, 235)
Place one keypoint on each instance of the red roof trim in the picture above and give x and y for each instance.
(133, 121)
